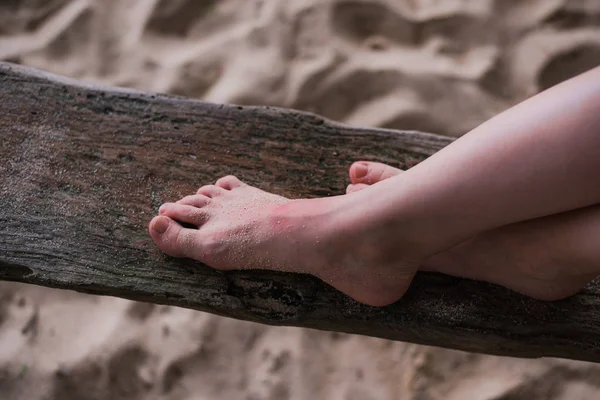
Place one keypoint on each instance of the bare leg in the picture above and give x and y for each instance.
(548, 258)
(537, 159)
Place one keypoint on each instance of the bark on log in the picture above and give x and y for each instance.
(83, 169)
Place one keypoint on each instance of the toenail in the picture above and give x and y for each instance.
(360, 170)
(161, 225)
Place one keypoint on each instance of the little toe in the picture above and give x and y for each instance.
(371, 172)
(197, 200)
(229, 182)
(211, 191)
(355, 188)
(174, 239)
(184, 213)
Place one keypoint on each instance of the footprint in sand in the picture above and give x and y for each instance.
(120, 378)
(568, 64)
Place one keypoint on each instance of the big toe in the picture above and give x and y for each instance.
(174, 239)
(365, 172)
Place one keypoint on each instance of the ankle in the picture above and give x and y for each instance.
(382, 237)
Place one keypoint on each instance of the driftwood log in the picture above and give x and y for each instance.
(83, 169)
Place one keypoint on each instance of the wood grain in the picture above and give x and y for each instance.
(83, 169)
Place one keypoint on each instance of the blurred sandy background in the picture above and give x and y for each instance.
(442, 66)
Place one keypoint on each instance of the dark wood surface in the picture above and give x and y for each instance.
(83, 169)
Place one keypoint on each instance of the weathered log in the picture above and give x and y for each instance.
(84, 168)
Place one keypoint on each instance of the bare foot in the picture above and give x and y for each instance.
(243, 227)
(547, 258)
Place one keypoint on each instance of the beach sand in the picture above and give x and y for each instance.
(432, 65)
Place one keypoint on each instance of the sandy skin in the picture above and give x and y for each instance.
(369, 243)
(241, 226)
